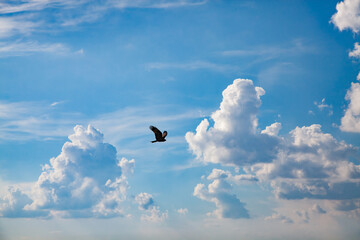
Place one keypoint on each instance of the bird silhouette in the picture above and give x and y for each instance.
(159, 136)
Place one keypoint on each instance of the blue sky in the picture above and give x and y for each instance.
(261, 100)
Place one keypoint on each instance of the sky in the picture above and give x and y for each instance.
(260, 99)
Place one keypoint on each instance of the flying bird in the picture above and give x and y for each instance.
(159, 136)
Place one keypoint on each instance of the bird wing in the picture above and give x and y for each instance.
(164, 134)
(158, 134)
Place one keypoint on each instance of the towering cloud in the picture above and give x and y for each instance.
(234, 139)
(85, 180)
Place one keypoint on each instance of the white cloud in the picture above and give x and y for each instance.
(34, 120)
(183, 211)
(219, 192)
(234, 139)
(25, 48)
(297, 46)
(314, 165)
(127, 166)
(356, 52)
(323, 106)
(351, 120)
(10, 26)
(309, 164)
(347, 15)
(155, 3)
(192, 66)
(279, 217)
(146, 203)
(23, 18)
(272, 130)
(83, 181)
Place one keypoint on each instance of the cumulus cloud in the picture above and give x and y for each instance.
(146, 203)
(272, 130)
(351, 120)
(314, 165)
(85, 180)
(219, 192)
(127, 166)
(234, 139)
(347, 15)
(356, 52)
(306, 164)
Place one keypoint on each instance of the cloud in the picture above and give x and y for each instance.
(183, 211)
(155, 3)
(10, 26)
(313, 165)
(347, 15)
(85, 180)
(34, 120)
(297, 46)
(234, 139)
(279, 217)
(127, 166)
(317, 209)
(356, 52)
(323, 106)
(21, 19)
(146, 203)
(306, 164)
(272, 130)
(218, 192)
(351, 120)
(24, 48)
(192, 66)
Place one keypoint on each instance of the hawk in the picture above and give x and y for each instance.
(159, 136)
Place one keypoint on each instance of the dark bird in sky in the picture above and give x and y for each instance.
(160, 137)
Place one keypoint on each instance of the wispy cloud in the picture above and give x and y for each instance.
(296, 47)
(41, 120)
(192, 66)
(26, 48)
(34, 120)
(21, 19)
(155, 3)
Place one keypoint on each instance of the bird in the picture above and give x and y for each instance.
(160, 137)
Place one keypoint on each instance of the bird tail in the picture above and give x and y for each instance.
(153, 141)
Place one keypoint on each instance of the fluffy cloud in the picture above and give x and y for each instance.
(146, 203)
(351, 120)
(83, 181)
(356, 52)
(306, 164)
(219, 192)
(234, 139)
(314, 165)
(347, 15)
